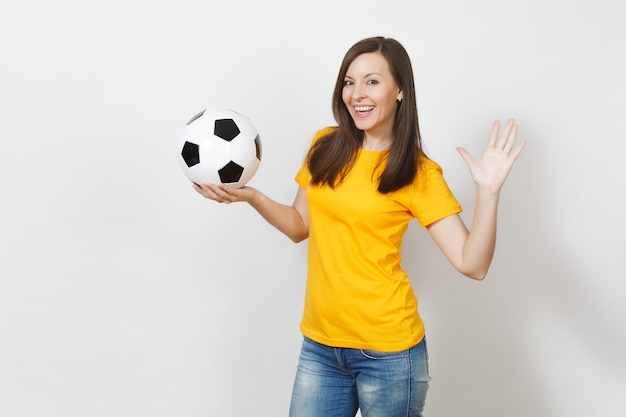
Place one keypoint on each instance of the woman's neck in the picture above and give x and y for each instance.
(375, 144)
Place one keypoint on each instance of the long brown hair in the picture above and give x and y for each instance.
(332, 157)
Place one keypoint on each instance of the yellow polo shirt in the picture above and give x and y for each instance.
(357, 294)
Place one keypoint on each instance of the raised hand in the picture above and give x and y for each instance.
(492, 169)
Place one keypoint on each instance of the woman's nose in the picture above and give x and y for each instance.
(358, 92)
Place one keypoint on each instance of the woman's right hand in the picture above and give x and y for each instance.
(292, 220)
(225, 194)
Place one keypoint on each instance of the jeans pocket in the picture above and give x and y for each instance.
(377, 355)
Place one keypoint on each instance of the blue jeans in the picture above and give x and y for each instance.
(336, 382)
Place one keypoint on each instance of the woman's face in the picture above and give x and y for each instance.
(370, 94)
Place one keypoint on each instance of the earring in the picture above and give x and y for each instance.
(399, 100)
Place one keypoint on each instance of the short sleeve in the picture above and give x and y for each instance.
(303, 177)
(432, 199)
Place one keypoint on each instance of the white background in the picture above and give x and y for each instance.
(125, 293)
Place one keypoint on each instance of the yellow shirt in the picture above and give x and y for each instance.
(357, 294)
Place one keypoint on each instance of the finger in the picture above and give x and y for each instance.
(201, 188)
(204, 187)
(465, 155)
(210, 191)
(508, 127)
(493, 137)
(228, 193)
(517, 152)
(510, 138)
(221, 194)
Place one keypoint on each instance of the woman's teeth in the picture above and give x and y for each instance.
(363, 109)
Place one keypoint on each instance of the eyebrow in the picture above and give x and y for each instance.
(366, 75)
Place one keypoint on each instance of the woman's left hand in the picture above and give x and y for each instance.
(498, 158)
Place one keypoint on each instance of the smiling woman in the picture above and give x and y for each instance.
(394, 126)
(123, 292)
(361, 184)
(372, 95)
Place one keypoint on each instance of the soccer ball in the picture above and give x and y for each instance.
(220, 146)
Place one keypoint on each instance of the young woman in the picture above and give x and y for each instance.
(361, 184)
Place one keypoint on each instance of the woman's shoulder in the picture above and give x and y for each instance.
(429, 165)
(324, 132)
(429, 172)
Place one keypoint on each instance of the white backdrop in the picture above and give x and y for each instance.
(124, 293)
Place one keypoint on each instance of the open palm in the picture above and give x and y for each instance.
(492, 169)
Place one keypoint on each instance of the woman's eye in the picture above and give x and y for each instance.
(372, 82)
(348, 82)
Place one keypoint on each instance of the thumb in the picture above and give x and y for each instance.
(464, 154)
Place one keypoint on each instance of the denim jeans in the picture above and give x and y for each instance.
(336, 382)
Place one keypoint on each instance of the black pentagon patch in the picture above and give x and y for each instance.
(257, 144)
(191, 154)
(231, 172)
(226, 129)
(194, 118)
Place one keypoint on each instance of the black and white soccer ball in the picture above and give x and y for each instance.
(221, 147)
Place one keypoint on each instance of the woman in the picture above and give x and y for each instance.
(361, 184)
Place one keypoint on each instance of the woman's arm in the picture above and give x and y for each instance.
(292, 220)
(471, 252)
